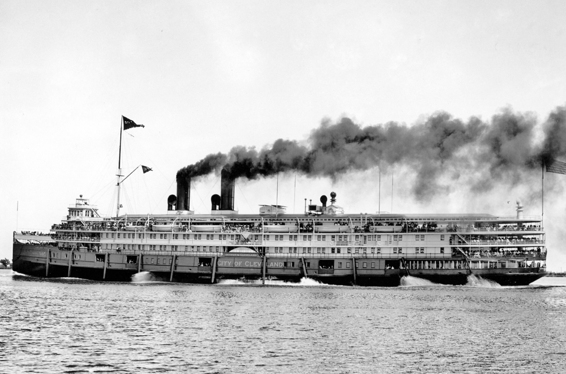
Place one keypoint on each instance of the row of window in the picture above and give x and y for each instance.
(290, 250)
(81, 213)
(306, 238)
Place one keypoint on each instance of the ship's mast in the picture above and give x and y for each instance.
(119, 174)
(125, 124)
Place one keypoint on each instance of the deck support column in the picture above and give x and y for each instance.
(47, 259)
(105, 265)
(263, 265)
(139, 262)
(354, 269)
(304, 268)
(70, 262)
(215, 260)
(172, 268)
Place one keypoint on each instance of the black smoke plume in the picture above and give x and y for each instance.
(440, 146)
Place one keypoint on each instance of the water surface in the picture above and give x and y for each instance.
(76, 326)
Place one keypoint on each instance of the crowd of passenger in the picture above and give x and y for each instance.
(405, 227)
(35, 233)
(94, 248)
(82, 238)
(508, 241)
(500, 252)
(240, 227)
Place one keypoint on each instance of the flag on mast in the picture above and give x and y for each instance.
(145, 169)
(557, 167)
(128, 123)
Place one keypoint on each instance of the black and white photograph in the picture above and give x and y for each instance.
(245, 186)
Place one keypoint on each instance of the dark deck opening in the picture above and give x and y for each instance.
(204, 261)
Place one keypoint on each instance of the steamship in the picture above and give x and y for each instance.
(322, 243)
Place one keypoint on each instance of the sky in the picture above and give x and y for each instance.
(205, 76)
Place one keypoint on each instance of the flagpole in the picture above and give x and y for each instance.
(119, 168)
(379, 192)
(542, 208)
(122, 181)
(277, 197)
(392, 190)
(294, 193)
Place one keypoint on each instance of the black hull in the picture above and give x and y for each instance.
(33, 260)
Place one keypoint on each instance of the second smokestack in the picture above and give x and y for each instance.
(227, 190)
(183, 193)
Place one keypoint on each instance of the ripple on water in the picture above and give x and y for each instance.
(69, 325)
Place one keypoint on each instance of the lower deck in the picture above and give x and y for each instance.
(48, 261)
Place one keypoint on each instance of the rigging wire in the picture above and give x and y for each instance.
(162, 198)
(244, 197)
(200, 198)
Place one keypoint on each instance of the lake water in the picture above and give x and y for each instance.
(77, 326)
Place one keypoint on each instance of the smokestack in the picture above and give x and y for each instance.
(183, 192)
(227, 189)
(215, 200)
(171, 202)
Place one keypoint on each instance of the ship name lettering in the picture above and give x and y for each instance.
(253, 264)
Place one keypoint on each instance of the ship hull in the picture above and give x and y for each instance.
(50, 262)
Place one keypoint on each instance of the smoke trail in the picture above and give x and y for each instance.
(439, 146)
(207, 165)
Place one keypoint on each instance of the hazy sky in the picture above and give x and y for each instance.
(204, 76)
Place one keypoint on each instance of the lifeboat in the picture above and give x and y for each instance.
(206, 228)
(280, 228)
(332, 228)
(131, 227)
(166, 227)
(385, 228)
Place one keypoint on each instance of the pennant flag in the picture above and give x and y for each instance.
(128, 123)
(146, 169)
(558, 167)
